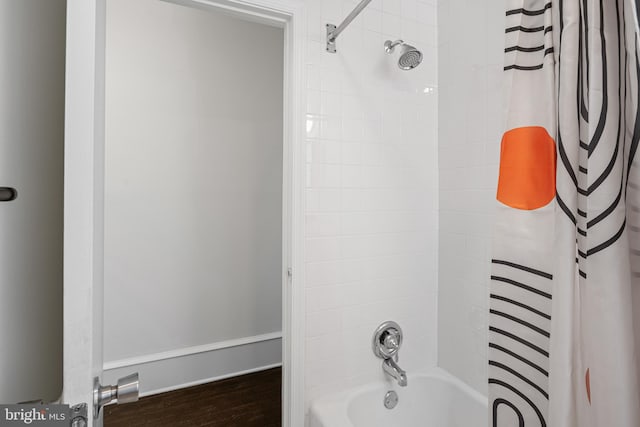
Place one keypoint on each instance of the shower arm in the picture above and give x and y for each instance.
(333, 32)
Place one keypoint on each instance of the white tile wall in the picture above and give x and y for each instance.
(371, 191)
(470, 50)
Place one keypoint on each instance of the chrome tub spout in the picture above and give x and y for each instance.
(392, 369)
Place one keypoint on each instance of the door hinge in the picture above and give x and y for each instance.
(78, 415)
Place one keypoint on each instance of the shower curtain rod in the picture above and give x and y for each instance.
(333, 32)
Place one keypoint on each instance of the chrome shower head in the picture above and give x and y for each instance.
(410, 57)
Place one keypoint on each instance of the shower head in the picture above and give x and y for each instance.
(410, 57)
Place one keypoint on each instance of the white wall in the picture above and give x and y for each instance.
(371, 192)
(470, 53)
(193, 193)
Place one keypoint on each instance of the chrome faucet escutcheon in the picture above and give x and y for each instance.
(387, 340)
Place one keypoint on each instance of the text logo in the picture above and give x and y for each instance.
(34, 415)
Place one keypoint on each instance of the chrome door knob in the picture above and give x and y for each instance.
(126, 391)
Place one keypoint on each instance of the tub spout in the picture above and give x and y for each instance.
(392, 369)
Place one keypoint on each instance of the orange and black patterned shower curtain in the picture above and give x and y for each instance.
(564, 325)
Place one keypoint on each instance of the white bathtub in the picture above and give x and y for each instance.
(432, 399)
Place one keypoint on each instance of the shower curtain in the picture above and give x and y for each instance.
(564, 310)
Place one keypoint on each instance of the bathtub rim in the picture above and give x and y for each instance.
(333, 407)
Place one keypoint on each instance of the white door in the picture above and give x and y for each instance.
(83, 210)
(84, 213)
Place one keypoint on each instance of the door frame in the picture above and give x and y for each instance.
(84, 194)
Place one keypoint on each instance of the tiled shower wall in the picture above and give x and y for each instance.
(470, 50)
(371, 191)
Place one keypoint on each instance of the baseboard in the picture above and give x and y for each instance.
(172, 370)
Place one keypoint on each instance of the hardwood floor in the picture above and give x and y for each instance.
(252, 400)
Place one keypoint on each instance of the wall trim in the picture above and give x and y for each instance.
(159, 375)
(187, 351)
(209, 380)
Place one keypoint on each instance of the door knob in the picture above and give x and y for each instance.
(126, 391)
(7, 194)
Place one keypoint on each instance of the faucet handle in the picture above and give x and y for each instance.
(387, 340)
(391, 339)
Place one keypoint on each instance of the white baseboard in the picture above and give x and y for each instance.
(175, 369)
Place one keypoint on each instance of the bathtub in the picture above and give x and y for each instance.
(433, 398)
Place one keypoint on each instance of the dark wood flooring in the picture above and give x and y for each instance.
(252, 400)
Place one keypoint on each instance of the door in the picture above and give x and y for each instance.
(83, 212)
